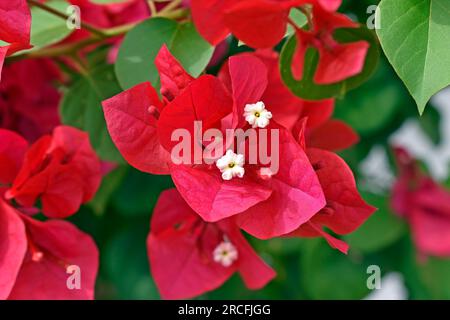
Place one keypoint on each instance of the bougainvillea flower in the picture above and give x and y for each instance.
(132, 116)
(53, 247)
(189, 257)
(345, 210)
(245, 19)
(29, 105)
(61, 170)
(284, 200)
(131, 119)
(337, 61)
(286, 108)
(290, 111)
(424, 204)
(35, 258)
(343, 136)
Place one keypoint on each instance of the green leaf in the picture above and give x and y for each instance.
(415, 36)
(135, 61)
(110, 183)
(46, 28)
(330, 274)
(376, 104)
(81, 107)
(382, 229)
(139, 192)
(435, 274)
(306, 88)
(126, 263)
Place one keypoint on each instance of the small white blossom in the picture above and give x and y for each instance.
(231, 165)
(257, 115)
(225, 253)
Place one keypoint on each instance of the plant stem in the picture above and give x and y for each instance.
(171, 6)
(307, 13)
(97, 36)
(152, 7)
(64, 16)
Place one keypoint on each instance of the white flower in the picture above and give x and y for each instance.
(231, 165)
(257, 115)
(225, 254)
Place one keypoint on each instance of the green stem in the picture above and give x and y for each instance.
(307, 13)
(171, 6)
(86, 26)
(98, 35)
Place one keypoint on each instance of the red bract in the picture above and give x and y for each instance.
(345, 210)
(132, 116)
(35, 257)
(291, 112)
(61, 170)
(15, 25)
(424, 204)
(172, 75)
(12, 152)
(29, 105)
(189, 257)
(337, 61)
(287, 109)
(245, 19)
(13, 245)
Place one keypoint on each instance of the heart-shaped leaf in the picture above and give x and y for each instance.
(135, 61)
(415, 36)
(81, 107)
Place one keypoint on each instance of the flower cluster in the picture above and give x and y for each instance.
(263, 23)
(244, 153)
(55, 175)
(195, 243)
